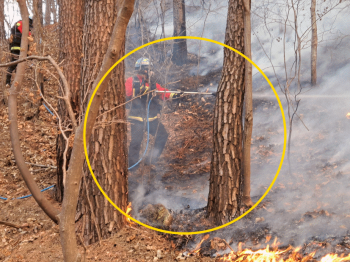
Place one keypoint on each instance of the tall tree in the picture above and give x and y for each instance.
(38, 24)
(54, 11)
(313, 43)
(226, 165)
(3, 45)
(180, 45)
(48, 12)
(38, 11)
(107, 150)
(2, 21)
(71, 46)
(66, 218)
(248, 102)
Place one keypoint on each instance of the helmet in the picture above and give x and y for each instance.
(142, 63)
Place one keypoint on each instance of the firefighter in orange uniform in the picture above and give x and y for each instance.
(136, 86)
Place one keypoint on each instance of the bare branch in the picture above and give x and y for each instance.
(12, 106)
(67, 95)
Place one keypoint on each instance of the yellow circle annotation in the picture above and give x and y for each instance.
(195, 232)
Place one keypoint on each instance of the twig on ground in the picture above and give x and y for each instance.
(9, 224)
(227, 244)
(32, 164)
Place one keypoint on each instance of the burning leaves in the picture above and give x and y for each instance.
(287, 255)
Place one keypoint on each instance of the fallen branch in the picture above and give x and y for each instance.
(227, 244)
(9, 224)
(28, 163)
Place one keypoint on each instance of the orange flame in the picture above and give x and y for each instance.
(198, 246)
(265, 255)
(128, 209)
(348, 115)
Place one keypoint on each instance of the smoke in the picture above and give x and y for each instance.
(312, 201)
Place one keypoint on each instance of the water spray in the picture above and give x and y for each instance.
(187, 92)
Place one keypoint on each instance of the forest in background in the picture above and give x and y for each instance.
(309, 201)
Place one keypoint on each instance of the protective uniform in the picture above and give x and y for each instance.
(15, 45)
(136, 86)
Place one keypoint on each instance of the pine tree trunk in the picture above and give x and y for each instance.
(226, 166)
(107, 150)
(180, 46)
(248, 101)
(71, 45)
(313, 43)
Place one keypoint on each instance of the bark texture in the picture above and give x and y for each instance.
(2, 22)
(313, 43)
(226, 166)
(74, 174)
(248, 102)
(38, 5)
(48, 12)
(3, 47)
(180, 45)
(107, 150)
(71, 44)
(38, 25)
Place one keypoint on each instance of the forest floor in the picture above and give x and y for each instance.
(179, 180)
(181, 175)
(32, 236)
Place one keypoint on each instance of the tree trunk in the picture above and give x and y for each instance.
(54, 11)
(107, 146)
(162, 8)
(2, 22)
(38, 24)
(226, 166)
(180, 45)
(3, 46)
(313, 43)
(74, 173)
(248, 118)
(71, 45)
(39, 5)
(47, 12)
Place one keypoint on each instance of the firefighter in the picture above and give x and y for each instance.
(136, 86)
(15, 45)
